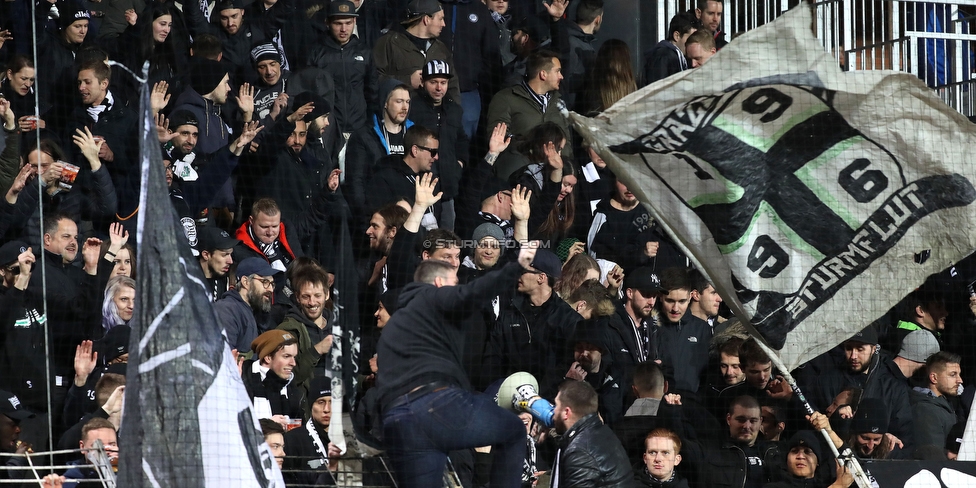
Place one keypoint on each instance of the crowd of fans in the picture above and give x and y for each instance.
(430, 131)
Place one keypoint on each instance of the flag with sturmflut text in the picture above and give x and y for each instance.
(802, 192)
(187, 420)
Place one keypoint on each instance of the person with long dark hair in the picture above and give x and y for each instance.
(552, 180)
(152, 38)
(18, 88)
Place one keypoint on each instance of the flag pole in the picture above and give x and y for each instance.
(860, 477)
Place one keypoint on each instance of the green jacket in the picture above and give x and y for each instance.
(515, 107)
(308, 357)
(396, 56)
(9, 160)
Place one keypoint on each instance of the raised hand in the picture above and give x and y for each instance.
(250, 131)
(85, 361)
(25, 261)
(9, 120)
(5, 36)
(499, 140)
(520, 203)
(527, 254)
(20, 182)
(159, 97)
(301, 112)
(245, 99)
(131, 17)
(90, 251)
(556, 8)
(424, 196)
(117, 235)
(553, 157)
(163, 134)
(279, 103)
(90, 147)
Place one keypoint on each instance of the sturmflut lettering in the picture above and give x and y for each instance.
(674, 130)
(902, 207)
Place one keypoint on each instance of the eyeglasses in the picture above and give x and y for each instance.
(267, 282)
(432, 151)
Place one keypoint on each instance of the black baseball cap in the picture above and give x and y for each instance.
(11, 407)
(342, 8)
(644, 280)
(215, 238)
(547, 262)
(12, 250)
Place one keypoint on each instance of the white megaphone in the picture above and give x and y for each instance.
(520, 393)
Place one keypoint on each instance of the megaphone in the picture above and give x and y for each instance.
(520, 393)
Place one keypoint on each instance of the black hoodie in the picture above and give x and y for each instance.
(424, 342)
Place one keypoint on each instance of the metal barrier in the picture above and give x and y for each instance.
(933, 40)
(33, 472)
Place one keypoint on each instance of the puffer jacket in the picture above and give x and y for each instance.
(591, 455)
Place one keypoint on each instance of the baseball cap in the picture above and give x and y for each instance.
(211, 238)
(266, 343)
(12, 250)
(255, 266)
(532, 25)
(547, 262)
(11, 407)
(866, 335)
(644, 280)
(436, 68)
(918, 345)
(342, 8)
(419, 8)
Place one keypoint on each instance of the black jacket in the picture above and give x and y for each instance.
(591, 455)
(423, 341)
(453, 143)
(237, 319)
(540, 347)
(725, 465)
(23, 347)
(662, 61)
(683, 350)
(643, 478)
(365, 148)
(270, 388)
(292, 179)
(472, 36)
(393, 180)
(355, 78)
(304, 464)
(878, 383)
(237, 50)
(75, 293)
(117, 125)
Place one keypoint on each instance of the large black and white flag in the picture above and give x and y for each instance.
(803, 192)
(187, 420)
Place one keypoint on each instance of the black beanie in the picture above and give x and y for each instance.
(871, 417)
(70, 12)
(205, 75)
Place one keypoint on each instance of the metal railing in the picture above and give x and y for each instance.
(934, 40)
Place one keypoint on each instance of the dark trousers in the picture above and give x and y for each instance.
(419, 432)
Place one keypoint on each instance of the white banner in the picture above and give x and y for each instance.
(803, 192)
